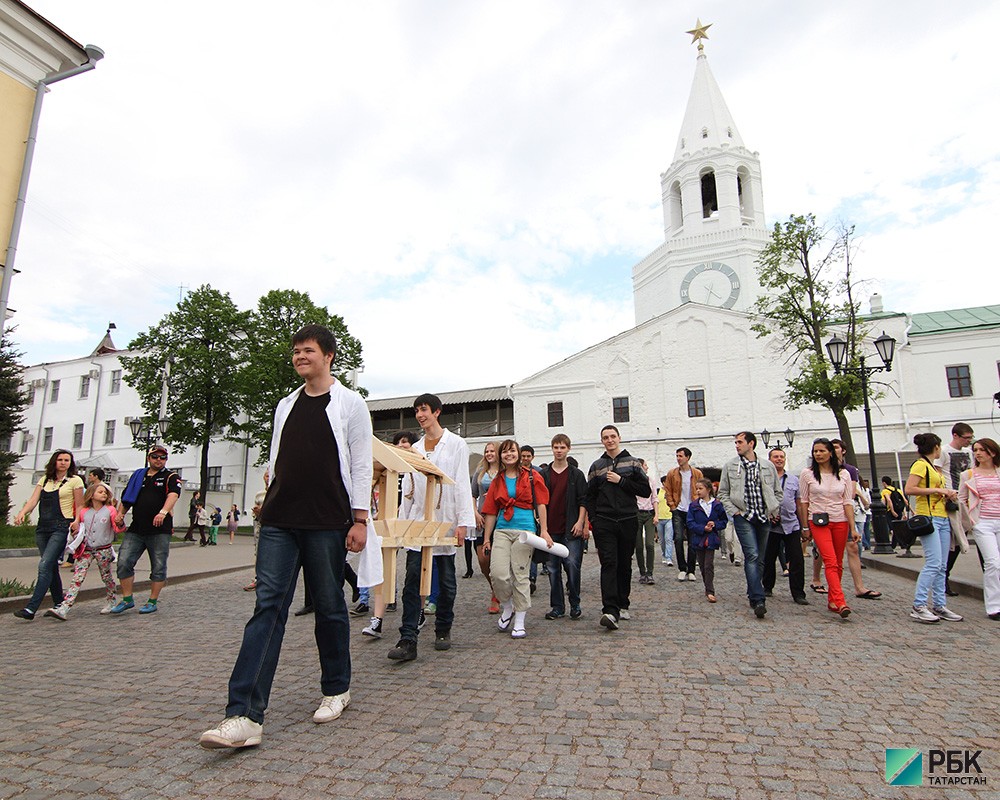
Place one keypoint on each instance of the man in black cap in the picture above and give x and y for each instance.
(151, 494)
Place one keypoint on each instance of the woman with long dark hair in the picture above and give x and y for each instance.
(58, 495)
(826, 511)
(926, 483)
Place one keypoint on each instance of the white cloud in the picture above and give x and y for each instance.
(474, 167)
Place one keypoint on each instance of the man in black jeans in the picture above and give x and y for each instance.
(614, 482)
(785, 533)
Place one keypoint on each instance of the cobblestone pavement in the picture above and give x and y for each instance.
(686, 700)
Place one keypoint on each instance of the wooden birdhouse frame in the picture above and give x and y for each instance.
(389, 463)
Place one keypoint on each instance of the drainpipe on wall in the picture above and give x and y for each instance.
(94, 54)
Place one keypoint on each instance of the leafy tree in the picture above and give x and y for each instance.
(12, 402)
(206, 342)
(805, 272)
(268, 374)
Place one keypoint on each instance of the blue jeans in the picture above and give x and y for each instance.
(666, 546)
(280, 554)
(50, 537)
(753, 539)
(134, 545)
(930, 581)
(447, 589)
(572, 564)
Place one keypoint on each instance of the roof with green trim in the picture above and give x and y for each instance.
(959, 319)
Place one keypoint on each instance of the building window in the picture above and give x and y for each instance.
(619, 409)
(959, 381)
(30, 396)
(25, 441)
(109, 431)
(696, 402)
(709, 198)
(5, 444)
(215, 479)
(84, 387)
(47, 439)
(556, 415)
(54, 396)
(116, 382)
(78, 436)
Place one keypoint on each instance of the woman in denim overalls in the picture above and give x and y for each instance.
(57, 496)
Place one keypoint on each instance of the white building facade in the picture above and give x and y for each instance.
(85, 406)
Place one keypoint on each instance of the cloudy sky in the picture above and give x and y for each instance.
(454, 175)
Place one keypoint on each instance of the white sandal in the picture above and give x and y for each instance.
(518, 633)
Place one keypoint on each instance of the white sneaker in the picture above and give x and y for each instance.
(923, 614)
(669, 563)
(374, 629)
(107, 609)
(682, 576)
(691, 577)
(623, 614)
(946, 614)
(60, 611)
(332, 707)
(233, 732)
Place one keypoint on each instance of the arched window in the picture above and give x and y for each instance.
(744, 188)
(709, 197)
(675, 205)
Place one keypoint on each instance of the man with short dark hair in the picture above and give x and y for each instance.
(785, 534)
(567, 524)
(450, 454)
(615, 480)
(314, 512)
(95, 475)
(956, 458)
(151, 494)
(749, 491)
(680, 492)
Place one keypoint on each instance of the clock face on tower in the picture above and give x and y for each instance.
(712, 283)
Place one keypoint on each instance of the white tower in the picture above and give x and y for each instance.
(713, 211)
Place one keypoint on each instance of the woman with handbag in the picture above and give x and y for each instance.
(513, 499)
(826, 511)
(930, 523)
(979, 501)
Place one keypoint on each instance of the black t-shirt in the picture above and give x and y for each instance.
(151, 499)
(308, 490)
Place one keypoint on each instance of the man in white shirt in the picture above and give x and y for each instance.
(451, 455)
(955, 458)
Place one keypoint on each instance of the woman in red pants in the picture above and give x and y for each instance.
(826, 510)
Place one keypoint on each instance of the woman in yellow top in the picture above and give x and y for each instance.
(664, 523)
(58, 495)
(926, 483)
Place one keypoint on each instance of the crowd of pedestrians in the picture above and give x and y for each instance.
(316, 510)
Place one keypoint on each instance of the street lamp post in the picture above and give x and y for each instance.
(885, 346)
(765, 437)
(148, 431)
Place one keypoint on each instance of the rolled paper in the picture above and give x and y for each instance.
(538, 543)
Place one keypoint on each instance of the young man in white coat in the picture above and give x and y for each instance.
(315, 511)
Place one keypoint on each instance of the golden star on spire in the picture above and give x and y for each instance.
(699, 32)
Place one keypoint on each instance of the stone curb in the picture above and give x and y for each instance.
(885, 564)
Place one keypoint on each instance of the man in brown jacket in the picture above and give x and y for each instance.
(680, 491)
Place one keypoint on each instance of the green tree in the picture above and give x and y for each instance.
(206, 342)
(12, 402)
(805, 272)
(268, 374)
